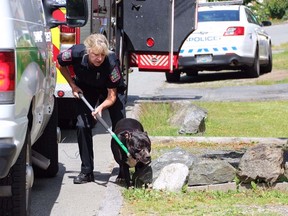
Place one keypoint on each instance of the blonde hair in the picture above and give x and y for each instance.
(98, 43)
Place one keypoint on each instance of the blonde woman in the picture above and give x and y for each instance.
(98, 78)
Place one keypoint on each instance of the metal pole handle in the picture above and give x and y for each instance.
(105, 125)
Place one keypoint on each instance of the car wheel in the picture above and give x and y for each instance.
(20, 178)
(254, 70)
(47, 145)
(268, 67)
(173, 77)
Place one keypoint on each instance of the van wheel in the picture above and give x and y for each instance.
(47, 145)
(173, 77)
(254, 70)
(20, 201)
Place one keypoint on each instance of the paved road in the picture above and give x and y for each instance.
(279, 33)
(187, 88)
(236, 93)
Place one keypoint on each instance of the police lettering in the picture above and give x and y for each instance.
(203, 39)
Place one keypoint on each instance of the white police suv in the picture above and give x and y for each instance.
(228, 37)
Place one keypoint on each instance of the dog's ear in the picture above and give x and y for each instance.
(146, 134)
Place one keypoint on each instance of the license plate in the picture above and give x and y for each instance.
(203, 58)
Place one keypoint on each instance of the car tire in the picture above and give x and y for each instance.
(173, 77)
(268, 67)
(254, 70)
(47, 145)
(20, 201)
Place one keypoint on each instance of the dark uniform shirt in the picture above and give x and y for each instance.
(107, 75)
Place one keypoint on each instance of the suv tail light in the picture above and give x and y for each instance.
(234, 31)
(7, 77)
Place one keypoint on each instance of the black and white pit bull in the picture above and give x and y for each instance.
(132, 135)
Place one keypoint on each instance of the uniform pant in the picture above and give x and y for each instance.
(86, 122)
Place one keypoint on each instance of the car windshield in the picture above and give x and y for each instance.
(218, 16)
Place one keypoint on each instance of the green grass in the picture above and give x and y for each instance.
(225, 119)
(248, 119)
(154, 118)
(152, 202)
(280, 58)
(272, 82)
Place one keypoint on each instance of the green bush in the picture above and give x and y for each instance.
(268, 9)
(277, 8)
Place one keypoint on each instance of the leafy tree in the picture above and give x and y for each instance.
(277, 8)
(260, 10)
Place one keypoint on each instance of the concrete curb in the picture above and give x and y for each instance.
(225, 187)
(219, 140)
(232, 186)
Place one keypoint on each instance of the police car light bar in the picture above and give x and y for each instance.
(218, 3)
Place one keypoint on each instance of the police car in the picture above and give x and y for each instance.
(228, 37)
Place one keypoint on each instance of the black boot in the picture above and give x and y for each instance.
(84, 178)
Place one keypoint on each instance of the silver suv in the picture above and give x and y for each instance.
(28, 109)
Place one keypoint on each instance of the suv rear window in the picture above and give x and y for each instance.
(218, 16)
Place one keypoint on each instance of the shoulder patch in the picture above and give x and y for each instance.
(67, 55)
(115, 75)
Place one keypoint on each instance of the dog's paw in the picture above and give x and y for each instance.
(120, 180)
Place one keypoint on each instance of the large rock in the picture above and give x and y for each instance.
(203, 170)
(232, 157)
(262, 163)
(172, 177)
(209, 171)
(286, 163)
(151, 172)
(190, 118)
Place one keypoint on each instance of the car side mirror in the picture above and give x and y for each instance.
(76, 13)
(266, 23)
